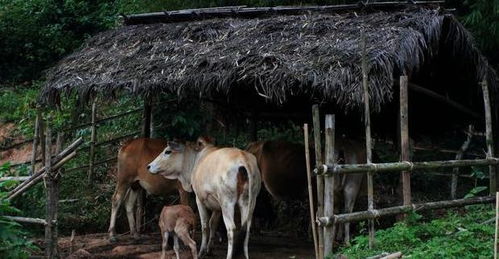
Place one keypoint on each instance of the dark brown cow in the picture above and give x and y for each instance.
(283, 168)
(133, 158)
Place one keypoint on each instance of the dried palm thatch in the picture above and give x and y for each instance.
(315, 55)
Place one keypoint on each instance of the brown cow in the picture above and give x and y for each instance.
(179, 220)
(222, 178)
(133, 158)
(284, 174)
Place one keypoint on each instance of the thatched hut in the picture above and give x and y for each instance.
(268, 59)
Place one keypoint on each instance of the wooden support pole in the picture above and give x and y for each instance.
(35, 145)
(329, 184)
(459, 156)
(489, 137)
(319, 177)
(404, 139)
(93, 140)
(52, 201)
(374, 214)
(367, 124)
(310, 191)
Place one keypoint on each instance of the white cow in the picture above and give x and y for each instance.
(222, 178)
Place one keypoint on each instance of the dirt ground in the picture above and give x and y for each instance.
(262, 246)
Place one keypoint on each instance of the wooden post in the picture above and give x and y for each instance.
(35, 144)
(367, 124)
(320, 177)
(459, 156)
(93, 141)
(52, 201)
(488, 135)
(329, 184)
(404, 139)
(310, 191)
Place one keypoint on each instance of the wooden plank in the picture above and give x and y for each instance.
(374, 214)
(14, 178)
(488, 136)
(404, 139)
(367, 125)
(329, 184)
(93, 140)
(319, 177)
(310, 191)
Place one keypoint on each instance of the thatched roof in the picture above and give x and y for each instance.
(316, 55)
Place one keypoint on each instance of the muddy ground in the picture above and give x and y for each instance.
(262, 246)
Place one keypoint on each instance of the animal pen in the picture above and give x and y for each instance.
(353, 61)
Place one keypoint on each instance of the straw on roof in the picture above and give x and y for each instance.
(315, 55)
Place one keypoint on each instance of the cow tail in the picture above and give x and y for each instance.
(243, 179)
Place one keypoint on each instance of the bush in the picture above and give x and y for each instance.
(460, 234)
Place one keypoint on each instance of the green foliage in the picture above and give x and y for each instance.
(460, 234)
(482, 18)
(13, 242)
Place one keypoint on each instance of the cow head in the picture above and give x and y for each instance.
(169, 163)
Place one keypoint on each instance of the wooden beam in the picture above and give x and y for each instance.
(459, 156)
(444, 100)
(406, 166)
(246, 12)
(364, 215)
(93, 140)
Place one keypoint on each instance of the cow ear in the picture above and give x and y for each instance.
(203, 142)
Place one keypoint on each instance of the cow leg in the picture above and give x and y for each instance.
(246, 213)
(351, 190)
(203, 215)
(164, 244)
(228, 215)
(130, 206)
(116, 201)
(175, 245)
(214, 221)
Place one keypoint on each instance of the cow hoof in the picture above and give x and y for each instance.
(112, 239)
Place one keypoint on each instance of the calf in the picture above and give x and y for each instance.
(222, 178)
(180, 221)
